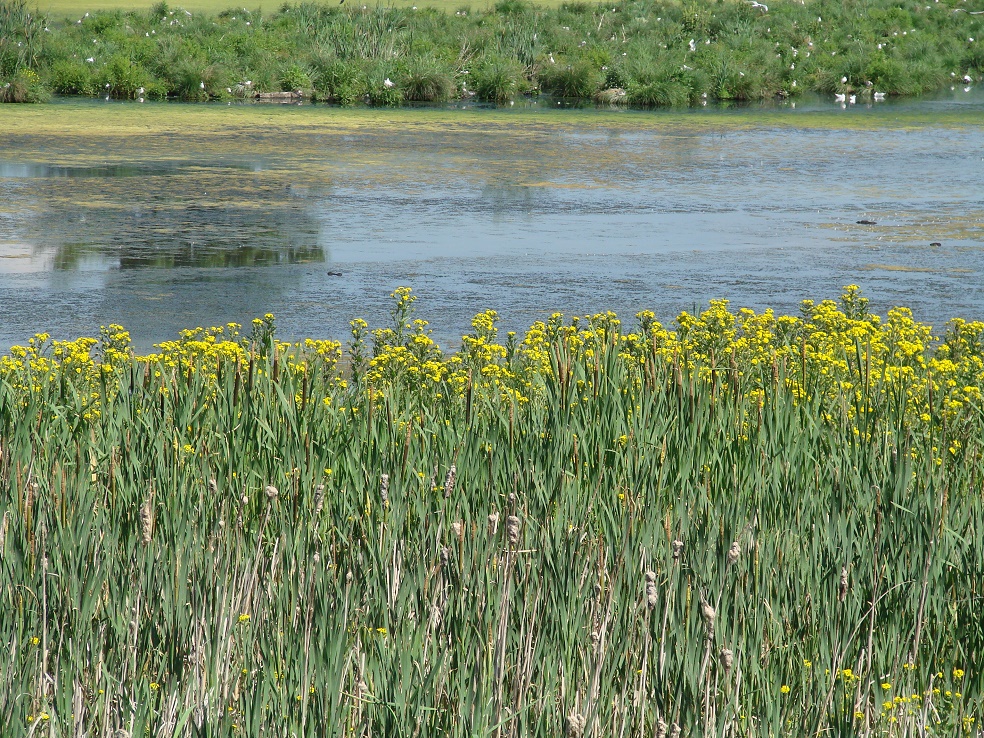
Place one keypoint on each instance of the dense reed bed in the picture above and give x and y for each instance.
(748, 526)
(644, 53)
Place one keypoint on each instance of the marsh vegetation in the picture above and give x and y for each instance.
(750, 524)
(636, 52)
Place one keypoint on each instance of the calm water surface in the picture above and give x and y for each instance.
(319, 225)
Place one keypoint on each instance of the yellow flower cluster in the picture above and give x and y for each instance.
(833, 348)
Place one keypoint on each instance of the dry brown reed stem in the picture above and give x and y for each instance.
(4, 524)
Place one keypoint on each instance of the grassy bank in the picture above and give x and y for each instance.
(746, 525)
(637, 53)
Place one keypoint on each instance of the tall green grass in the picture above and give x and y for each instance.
(660, 52)
(265, 547)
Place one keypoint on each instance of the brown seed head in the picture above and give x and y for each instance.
(512, 529)
(727, 659)
(575, 724)
(677, 549)
(734, 553)
(652, 595)
(449, 480)
(660, 728)
(147, 521)
(384, 486)
(271, 492)
(493, 524)
(319, 498)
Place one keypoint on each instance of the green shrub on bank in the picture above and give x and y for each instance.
(660, 53)
(497, 79)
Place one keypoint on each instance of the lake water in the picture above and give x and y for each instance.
(526, 212)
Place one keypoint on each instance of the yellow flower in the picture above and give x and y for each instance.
(958, 673)
(807, 664)
(244, 618)
(784, 689)
(886, 685)
(155, 686)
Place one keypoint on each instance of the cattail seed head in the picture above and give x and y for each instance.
(842, 588)
(575, 724)
(271, 492)
(675, 731)
(512, 529)
(727, 659)
(4, 523)
(213, 486)
(458, 528)
(677, 549)
(660, 728)
(707, 612)
(734, 553)
(449, 480)
(436, 616)
(319, 498)
(147, 521)
(652, 596)
(384, 487)
(493, 524)
(445, 556)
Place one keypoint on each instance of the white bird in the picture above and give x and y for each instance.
(967, 78)
(693, 45)
(852, 99)
(839, 97)
(201, 85)
(879, 96)
(765, 8)
(387, 83)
